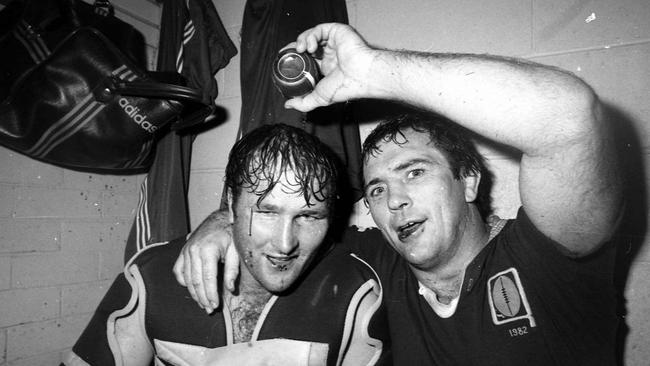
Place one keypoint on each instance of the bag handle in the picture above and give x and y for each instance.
(153, 89)
(196, 113)
(192, 99)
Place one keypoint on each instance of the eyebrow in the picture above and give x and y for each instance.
(409, 163)
(265, 206)
(401, 167)
(306, 211)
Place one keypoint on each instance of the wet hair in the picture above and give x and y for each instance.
(259, 158)
(452, 140)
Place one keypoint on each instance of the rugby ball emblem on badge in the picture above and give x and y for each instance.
(506, 296)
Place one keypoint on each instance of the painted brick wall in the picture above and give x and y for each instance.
(603, 41)
(62, 238)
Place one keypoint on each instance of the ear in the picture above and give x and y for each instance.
(231, 213)
(471, 181)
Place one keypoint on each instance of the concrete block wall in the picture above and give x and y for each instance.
(62, 238)
(603, 41)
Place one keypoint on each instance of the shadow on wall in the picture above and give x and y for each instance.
(634, 223)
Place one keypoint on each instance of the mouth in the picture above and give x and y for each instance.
(281, 263)
(408, 229)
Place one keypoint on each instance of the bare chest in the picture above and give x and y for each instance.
(245, 312)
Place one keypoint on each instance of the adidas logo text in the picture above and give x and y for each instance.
(140, 119)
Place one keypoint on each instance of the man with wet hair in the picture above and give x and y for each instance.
(461, 153)
(300, 298)
(534, 290)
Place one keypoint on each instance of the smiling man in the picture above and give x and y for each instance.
(300, 299)
(537, 289)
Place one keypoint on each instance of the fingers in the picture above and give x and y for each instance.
(187, 273)
(195, 288)
(197, 269)
(312, 38)
(313, 100)
(231, 268)
(179, 267)
(210, 278)
(290, 45)
(196, 282)
(305, 103)
(295, 103)
(197, 265)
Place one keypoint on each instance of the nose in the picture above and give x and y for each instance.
(286, 240)
(398, 198)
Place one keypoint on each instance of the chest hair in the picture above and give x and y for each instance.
(245, 311)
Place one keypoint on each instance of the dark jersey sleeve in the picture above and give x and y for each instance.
(536, 250)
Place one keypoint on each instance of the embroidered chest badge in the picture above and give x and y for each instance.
(507, 298)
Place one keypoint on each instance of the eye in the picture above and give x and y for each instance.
(309, 218)
(376, 192)
(264, 213)
(415, 173)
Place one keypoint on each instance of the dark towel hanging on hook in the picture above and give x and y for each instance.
(269, 25)
(162, 210)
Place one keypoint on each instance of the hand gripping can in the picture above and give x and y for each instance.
(294, 74)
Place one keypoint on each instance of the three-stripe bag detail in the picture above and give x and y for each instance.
(88, 107)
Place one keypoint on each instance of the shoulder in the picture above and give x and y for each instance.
(523, 241)
(162, 301)
(521, 231)
(152, 269)
(158, 254)
(521, 237)
(344, 265)
(338, 274)
(369, 245)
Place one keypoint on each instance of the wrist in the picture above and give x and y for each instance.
(381, 74)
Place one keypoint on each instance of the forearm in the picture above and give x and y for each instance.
(515, 102)
(217, 222)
